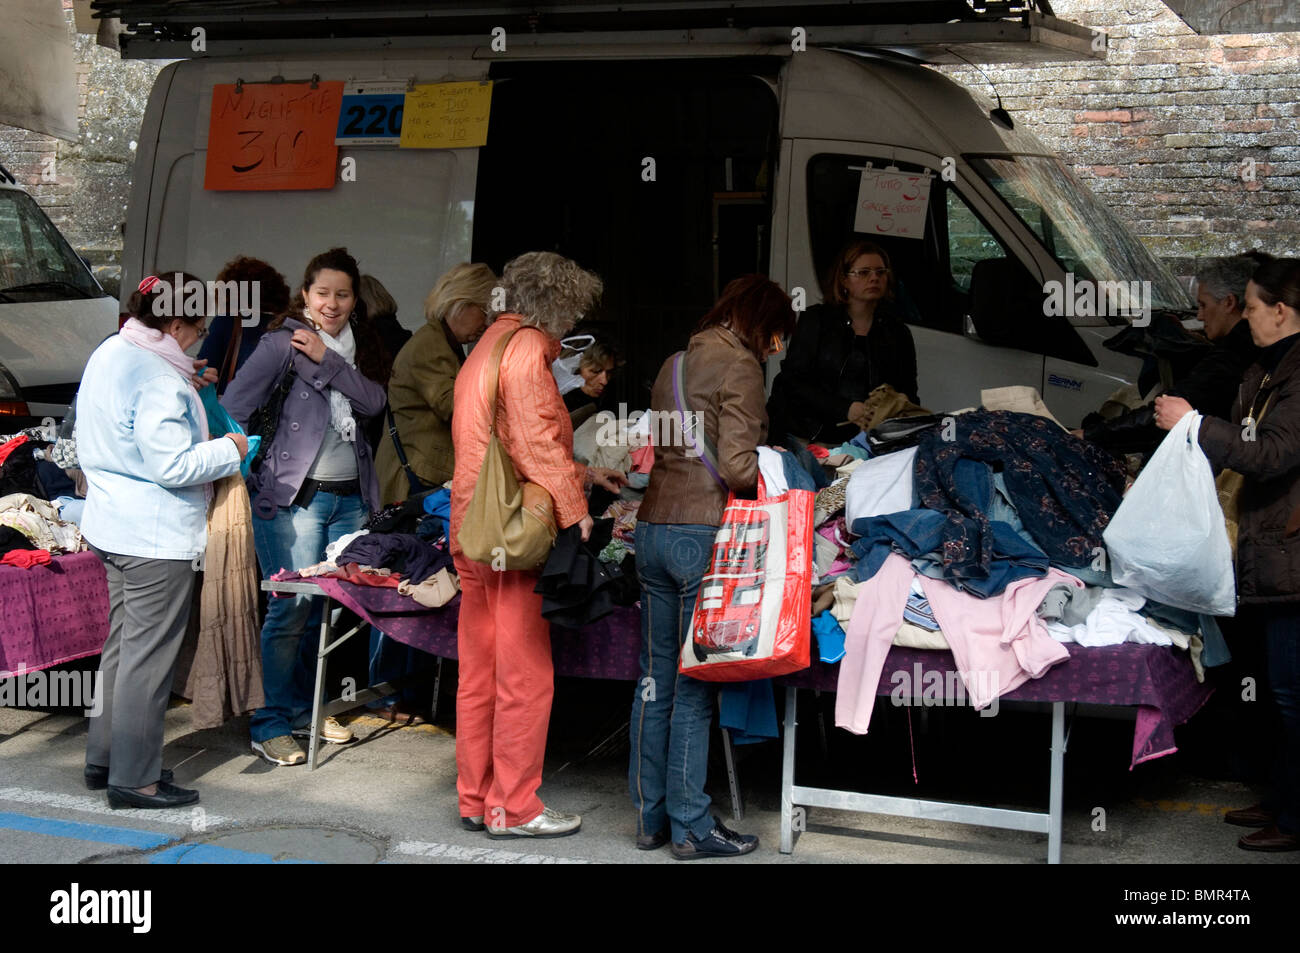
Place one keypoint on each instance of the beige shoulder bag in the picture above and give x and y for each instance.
(507, 525)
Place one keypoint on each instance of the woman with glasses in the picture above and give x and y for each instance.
(143, 442)
(842, 350)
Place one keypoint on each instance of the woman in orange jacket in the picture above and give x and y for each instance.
(503, 702)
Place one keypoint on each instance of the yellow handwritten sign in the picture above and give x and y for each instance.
(447, 116)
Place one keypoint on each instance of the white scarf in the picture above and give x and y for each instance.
(345, 346)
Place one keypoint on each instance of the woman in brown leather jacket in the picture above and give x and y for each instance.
(676, 523)
(1265, 448)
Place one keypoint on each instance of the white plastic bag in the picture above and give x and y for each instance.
(565, 367)
(1167, 540)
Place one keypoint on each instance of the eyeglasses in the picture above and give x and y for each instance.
(203, 332)
(775, 345)
(868, 272)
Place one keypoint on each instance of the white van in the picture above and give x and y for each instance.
(53, 313)
(669, 171)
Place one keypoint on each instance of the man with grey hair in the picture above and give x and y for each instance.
(1211, 384)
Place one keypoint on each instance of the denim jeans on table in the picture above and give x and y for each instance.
(671, 713)
(296, 537)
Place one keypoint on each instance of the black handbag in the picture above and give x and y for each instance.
(264, 421)
(418, 484)
(898, 433)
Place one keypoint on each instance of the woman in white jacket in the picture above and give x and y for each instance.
(142, 437)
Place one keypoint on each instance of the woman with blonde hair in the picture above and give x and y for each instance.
(424, 379)
(503, 703)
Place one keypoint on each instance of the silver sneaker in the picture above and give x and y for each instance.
(546, 824)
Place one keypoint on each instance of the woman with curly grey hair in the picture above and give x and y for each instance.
(503, 703)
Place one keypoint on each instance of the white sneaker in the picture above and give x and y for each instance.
(546, 824)
(330, 731)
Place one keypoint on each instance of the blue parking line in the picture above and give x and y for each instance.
(75, 830)
(213, 854)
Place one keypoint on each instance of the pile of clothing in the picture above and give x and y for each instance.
(983, 536)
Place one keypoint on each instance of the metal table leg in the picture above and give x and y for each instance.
(733, 782)
(322, 653)
(787, 772)
(1056, 792)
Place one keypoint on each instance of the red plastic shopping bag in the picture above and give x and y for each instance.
(752, 616)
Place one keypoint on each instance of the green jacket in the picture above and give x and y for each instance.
(421, 393)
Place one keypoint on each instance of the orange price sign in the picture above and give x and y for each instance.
(273, 136)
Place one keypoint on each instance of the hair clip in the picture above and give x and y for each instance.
(147, 285)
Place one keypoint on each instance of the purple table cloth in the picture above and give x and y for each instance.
(1158, 681)
(52, 614)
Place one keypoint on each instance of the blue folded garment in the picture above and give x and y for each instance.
(748, 711)
(830, 637)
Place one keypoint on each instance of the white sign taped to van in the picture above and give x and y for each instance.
(892, 203)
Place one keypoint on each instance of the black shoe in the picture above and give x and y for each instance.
(652, 841)
(97, 777)
(720, 842)
(473, 824)
(168, 796)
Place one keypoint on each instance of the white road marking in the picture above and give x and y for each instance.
(477, 855)
(90, 804)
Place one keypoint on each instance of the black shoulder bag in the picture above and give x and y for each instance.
(264, 421)
(418, 485)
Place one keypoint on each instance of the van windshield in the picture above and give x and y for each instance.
(36, 262)
(1081, 233)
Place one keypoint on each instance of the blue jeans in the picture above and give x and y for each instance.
(295, 538)
(671, 713)
(1282, 647)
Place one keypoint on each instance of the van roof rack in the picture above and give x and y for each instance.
(987, 30)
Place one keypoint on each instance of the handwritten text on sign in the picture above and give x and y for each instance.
(273, 136)
(892, 203)
(447, 116)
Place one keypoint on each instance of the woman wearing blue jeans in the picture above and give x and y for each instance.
(317, 480)
(723, 387)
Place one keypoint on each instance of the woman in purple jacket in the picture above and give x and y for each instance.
(316, 482)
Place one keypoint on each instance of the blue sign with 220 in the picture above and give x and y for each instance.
(370, 118)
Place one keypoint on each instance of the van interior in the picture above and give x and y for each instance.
(565, 170)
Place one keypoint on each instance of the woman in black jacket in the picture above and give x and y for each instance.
(1261, 441)
(843, 349)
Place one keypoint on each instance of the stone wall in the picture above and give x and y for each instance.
(1167, 129)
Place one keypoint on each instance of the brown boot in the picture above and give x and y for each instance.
(1270, 839)
(1254, 816)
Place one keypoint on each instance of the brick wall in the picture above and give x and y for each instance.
(1163, 129)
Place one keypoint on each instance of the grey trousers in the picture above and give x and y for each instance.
(149, 608)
